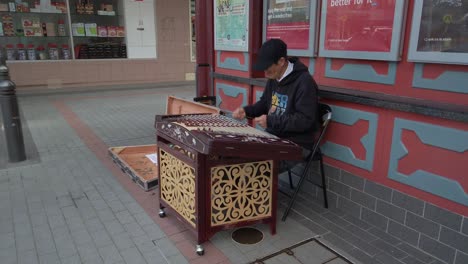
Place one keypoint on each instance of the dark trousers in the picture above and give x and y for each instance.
(286, 165)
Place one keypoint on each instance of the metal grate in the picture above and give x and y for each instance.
(303, 251)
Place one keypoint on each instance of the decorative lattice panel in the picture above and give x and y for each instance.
(241, 192)
(177, 181)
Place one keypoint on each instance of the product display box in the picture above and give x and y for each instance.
(91, 29)
(140, 162)
(78, 29)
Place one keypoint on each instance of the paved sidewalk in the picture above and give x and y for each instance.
(68, 203)
(64, 206)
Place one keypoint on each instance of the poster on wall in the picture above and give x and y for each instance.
(439, 32)
(362, 29)
(231, 19)
(291, 21)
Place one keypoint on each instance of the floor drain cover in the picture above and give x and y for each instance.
(303, 251)
(247, 235)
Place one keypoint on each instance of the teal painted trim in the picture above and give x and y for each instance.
(230, 90)
(312, 66)
(449, 81)
(258, 95)
(442, 137)
(363, 73)
(350, 117)
(233, 63)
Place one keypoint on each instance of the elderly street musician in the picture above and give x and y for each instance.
(288, 106)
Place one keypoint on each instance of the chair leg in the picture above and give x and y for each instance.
(290, 179)
(324, 185)
(293, 197)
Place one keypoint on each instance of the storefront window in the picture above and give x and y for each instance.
(77, 29)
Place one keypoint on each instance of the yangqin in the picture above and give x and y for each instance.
(217, 173)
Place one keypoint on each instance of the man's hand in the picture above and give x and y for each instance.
(239, 113)
(261, 121)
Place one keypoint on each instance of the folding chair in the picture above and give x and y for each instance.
(316, 155)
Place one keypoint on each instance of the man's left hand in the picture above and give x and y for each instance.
(261, 121)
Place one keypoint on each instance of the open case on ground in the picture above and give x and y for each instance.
(140, 162)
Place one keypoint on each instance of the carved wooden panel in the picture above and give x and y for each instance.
(241, 192)
(177, 181)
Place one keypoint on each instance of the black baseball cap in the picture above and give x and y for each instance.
(271, 51)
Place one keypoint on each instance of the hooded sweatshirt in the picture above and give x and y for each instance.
(291, 106)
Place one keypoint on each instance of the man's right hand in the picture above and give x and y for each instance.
(239, 113)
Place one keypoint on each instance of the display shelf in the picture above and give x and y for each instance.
(34, 61)
(91, 25)
(33, 13)
(97, 37)
(34, 38)
(95, 15)
(101, 50)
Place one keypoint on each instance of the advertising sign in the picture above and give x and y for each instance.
(440, 32)
(231, 18)
(362, 29)
(289, 21)
(293, 21)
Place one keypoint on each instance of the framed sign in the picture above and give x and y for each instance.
(291, 21)
(231, 21)
(439, 32)
(362, 29)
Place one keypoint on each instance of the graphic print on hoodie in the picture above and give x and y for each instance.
(279, 102)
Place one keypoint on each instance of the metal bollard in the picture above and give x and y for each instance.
(11, 117)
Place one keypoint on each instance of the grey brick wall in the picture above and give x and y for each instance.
(439, 233)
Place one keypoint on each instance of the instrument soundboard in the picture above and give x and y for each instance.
(221, 135)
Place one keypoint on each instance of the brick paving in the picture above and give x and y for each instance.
(68, 203)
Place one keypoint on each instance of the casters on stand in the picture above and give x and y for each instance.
(200, 250)
(162, 213)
